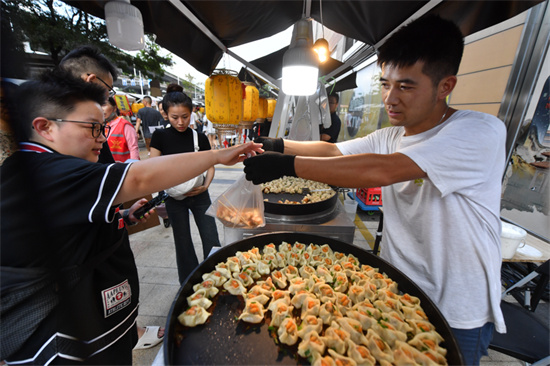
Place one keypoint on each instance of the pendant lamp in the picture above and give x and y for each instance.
(321, 48)
(300, 62)
(124, 25)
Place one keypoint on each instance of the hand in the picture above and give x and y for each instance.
(271, 144)
(196, 191)
(139, 203)
(268, 166)
(236, 154)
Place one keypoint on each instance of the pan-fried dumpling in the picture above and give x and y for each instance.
(324, 273)
(255, 253)
(298, 248)
(267, 286)
(244, 258)
(288, 332)
(279, 313)
(234, 287)
(234, 264)
(244, 278)
(360, 354)
(280, 259)
(377, 347)
(368, 270)
(290, 272)
(339, 257)
(279, 279)
(216, 276)
(263, 267)
(295, 259)
(310, 323)
(326, 250)
(307, 271)
(193, 316)
(340, 282)
(311, 344)
(251, 270)
(420, 326)
(428, 341)
(363, 318)
(358, 276)
(328, 312)
(405, 354)
(388, 305)
(398, 322)
(207, 285)
(323, 361)
(336, 338)
(285, 247)
(354, 328)
(316, 260)
(328, 262)
(414, 313)
(313, 249)
(366, 307)
(349, 268)
(301, 297)
(298, 284)
(341, 360)
(253, 312)
(199, 298)
(279, 296)
(270, 248)
(310, 307)
(410, 301)
(258, 289)
(337, 267)
(357, 293)
(389, 333)
(256, 294)
(325, 293)
(370, 290)
(223, 269)
(271, 260)
(385, 294)
(343, 302)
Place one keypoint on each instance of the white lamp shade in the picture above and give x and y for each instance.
(300, 79)
(124, 25)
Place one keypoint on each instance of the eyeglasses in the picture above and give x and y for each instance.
(97, 128)
(112, 91)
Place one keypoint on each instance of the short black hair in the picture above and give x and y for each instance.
(54, 95)
(336, 96)
(176, 98)
(88, 59)
(437, 42)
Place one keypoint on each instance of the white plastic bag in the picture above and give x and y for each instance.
(240, 206)
(178, 192)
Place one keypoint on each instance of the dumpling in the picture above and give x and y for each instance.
(223, 269)
(385, 294)
(233, 263)
(267, 286)
(326, 250)
(341, 360)
(307, 271)
(234, 287)
(368, 270)
(216, 276)
(280, 259)
(253, 312)
(336, 338)
(263, 267)
(244, 278)
(295, 259)
(389, 333)
(285, 247)
(193, 316)
(398, 322)
(363, 318)
(410, 301)
(199, 298)
(323, 361)
(340, 282)
(377, 347)
(301, 297)
(207, 285)
(271, 260)
(354, 328)
(279, 296)
(420, 326)
(404, 354)
(279, 312)
(357, 293)
(310, 323)
(290, 272)
(298, 248)
(414, 313)
(270, 248)
(325, 293)
(288, 332)
(279, 279)
(324, 273)
(360, 354)
(244, 258)
(388, 305)
(313, 249)
(343, 302)
(310, 307)
(311, 344)
(298, 284)
(430, 341)
(251, 270)
(367, 308)
(256, 294)
(255, 253)
(328, 312)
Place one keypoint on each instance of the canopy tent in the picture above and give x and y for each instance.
(200, 31)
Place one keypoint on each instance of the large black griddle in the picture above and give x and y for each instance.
(272, 205)
(224, 340)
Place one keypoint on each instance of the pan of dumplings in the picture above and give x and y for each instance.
(290, 298)
(297, 196)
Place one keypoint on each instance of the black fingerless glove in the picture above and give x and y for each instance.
(271, 144)
(268, 166)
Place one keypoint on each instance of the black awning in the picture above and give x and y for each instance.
(236, 22)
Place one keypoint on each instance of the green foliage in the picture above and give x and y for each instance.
(55, 28)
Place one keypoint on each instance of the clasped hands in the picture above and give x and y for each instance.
(270, 165)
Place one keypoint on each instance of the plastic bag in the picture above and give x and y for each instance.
(178, 192)
(240, 206)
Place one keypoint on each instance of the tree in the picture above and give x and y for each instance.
(56, 28)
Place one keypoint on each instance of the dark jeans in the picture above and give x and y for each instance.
(474, 342)
(178, 212)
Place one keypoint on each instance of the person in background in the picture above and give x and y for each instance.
(210, 132)
(88, 63)
(441, 171)
(122, 139)
(175, 140)
(331, 134)
(165, 123)
(71, 278)
(147, 117)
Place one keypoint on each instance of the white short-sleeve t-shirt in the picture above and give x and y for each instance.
(443, 231)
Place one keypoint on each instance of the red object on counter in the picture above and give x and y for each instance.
(370, 196)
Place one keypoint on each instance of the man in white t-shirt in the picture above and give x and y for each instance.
(440, 169)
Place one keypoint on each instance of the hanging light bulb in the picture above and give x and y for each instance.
(300, 64)
(321, 48)
(124, 25)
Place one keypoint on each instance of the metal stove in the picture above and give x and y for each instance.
(332, 223)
